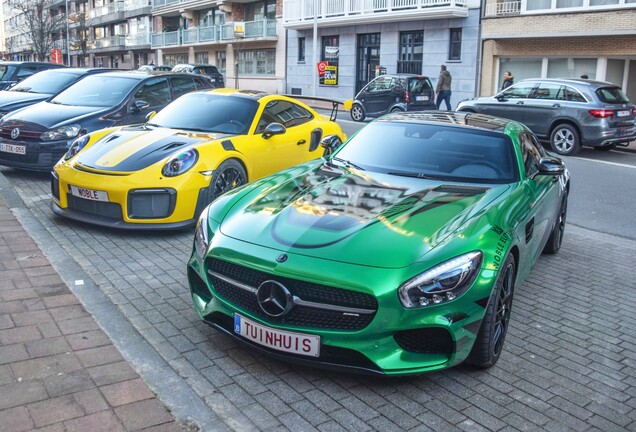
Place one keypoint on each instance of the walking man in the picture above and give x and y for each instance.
(443, 88)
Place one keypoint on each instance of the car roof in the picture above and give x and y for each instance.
(573, 81)
(30, 63)
(404, 75)
(451, 118)
(250, 94)
(77, 70)
(140, 75)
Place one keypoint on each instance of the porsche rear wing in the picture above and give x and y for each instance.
(346, 104)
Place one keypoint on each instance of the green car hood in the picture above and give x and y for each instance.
(356, 217)
(134, 148)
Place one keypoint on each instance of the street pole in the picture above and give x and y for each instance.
(314, 66)
(68, 39)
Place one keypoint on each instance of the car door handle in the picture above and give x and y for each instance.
(556, 106)
(301, 142)
(520, 103)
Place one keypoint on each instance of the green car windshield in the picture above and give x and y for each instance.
(205, 112)
(432, 151)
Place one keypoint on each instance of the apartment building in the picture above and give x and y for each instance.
(355, 40)
(15, 43)
(244, 39)
(559, 38)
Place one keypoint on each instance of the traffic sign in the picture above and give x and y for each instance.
(56, 56)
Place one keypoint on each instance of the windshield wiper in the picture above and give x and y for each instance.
(348, 164)
(417, 175)
(22, 89)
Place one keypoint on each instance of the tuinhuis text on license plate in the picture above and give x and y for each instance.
(290, 342)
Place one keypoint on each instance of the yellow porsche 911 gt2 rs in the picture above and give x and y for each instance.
(161, 174)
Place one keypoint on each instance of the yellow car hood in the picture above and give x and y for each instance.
(137, 147)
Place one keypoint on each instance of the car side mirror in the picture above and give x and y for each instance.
(551, 166)
(330, 143)
(139, 105)
(500, 97)
(273, 129)
(150, 115)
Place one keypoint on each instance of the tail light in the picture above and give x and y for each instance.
(601, 113)
(633, 111)
(407, 98)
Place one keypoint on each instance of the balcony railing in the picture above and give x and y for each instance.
(253, 29)
(136, 40)
(303, 11)
(111, 42)
(533, 7)
(110, 8)
(162, 3)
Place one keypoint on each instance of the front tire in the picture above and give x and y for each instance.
(494, 326)
(565, 140)
(357, 113)
(556, 236)
(227, 176)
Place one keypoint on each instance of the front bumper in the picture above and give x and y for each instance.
(132, 200)
(396, 341)
(38, 156)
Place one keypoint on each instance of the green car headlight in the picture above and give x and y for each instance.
(64, 132)
(180, 163)
(444, 282)
(75, 148)
(201, 238)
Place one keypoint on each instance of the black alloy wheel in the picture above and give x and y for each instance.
(556, 236)
(494, 327)
(229, 175)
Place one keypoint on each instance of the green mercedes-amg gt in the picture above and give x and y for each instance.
(396, 253)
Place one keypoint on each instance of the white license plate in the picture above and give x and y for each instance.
(622, 113)
(290, 342)
(421, 98)
(89, 194)
(12, 148)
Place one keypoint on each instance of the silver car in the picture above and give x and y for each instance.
(569, 113)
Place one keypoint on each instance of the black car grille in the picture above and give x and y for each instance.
(300, 315)
(432, 340)
(28, 131)
(97, 208)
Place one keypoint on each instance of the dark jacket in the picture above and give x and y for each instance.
(507, 83)
(444, 81)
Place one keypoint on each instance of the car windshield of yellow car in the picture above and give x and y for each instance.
(205, 112)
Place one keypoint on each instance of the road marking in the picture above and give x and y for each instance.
(605, 162)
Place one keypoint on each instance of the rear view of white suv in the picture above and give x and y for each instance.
(569, 113)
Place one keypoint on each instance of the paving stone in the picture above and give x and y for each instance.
(112, 373)
(15, 420)
(126, 392)
(54, 410)
(70, 382)
(43, 367)
(142, 414)
(91, 400)
(19, 334)
(13, 353)
(47, 347)
(104, 421)
(89, 339)
(98, 356)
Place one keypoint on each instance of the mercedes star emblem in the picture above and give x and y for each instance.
(274, 299)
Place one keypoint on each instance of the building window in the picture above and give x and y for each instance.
(301, 49)
(257, 62)
(455, 47)
(221, 61)
(411, 52)
(175, 59)
(201, 58)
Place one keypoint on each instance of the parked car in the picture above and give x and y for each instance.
(160, 175)
(569, 113)
(12, 72)
(41, 86)
(397, 254)
(209, 71)
(154, 68)
(393, 93)
(36, 137)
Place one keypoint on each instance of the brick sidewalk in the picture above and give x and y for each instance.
(58, 370)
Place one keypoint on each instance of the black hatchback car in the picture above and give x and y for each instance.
(393, 93)
(206, 70)
(41, 86)
(12, 72)
(35, 137)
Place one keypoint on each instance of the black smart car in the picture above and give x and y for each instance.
(12, 72)
(41, 86)
(393, 93)
(35, 137)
